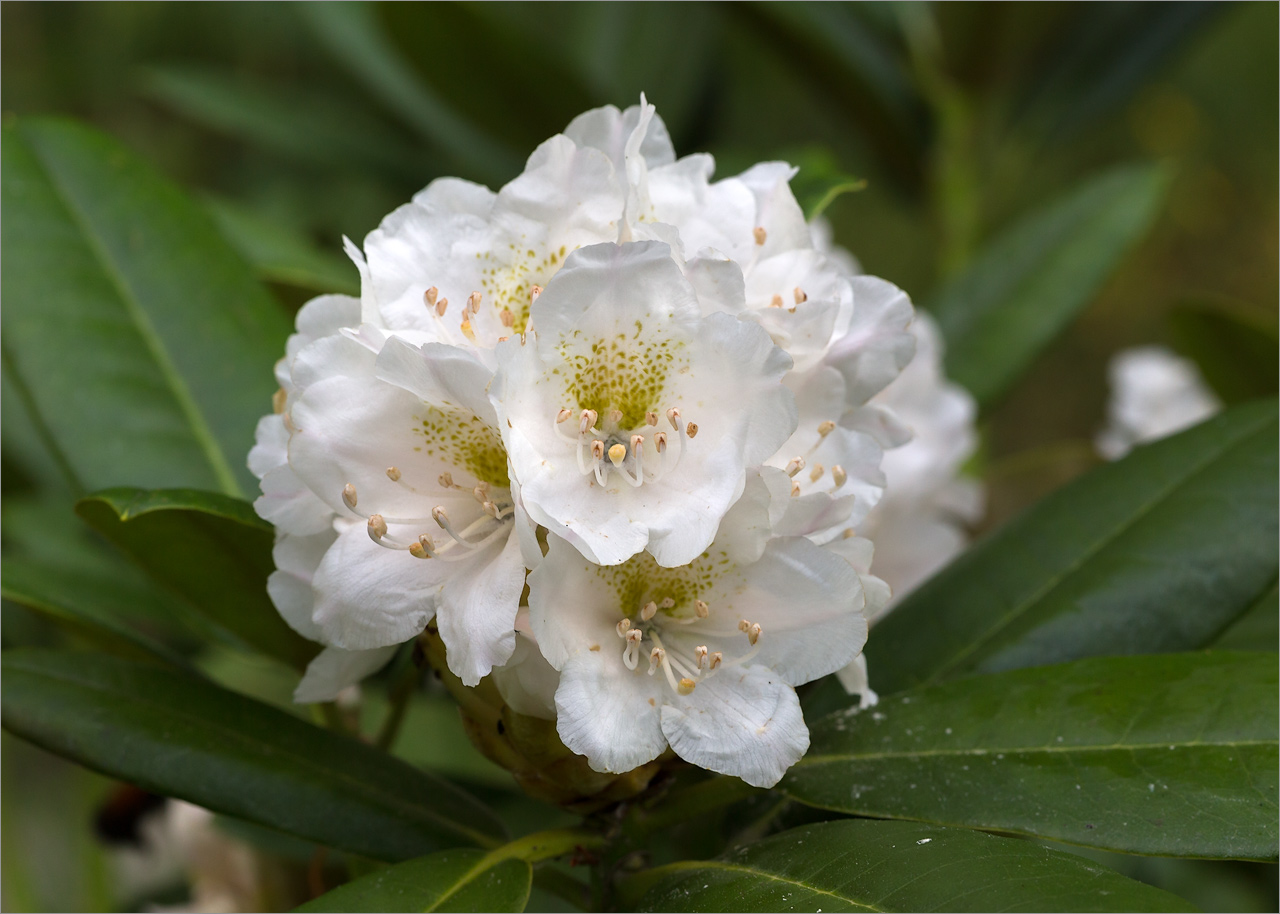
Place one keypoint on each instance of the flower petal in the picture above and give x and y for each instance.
(608, 713)
(333, 669)
(477, 611)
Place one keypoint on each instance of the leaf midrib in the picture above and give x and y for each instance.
(151, 339)
(750, 871)
(1061, 577)
(831, 759)
(359, 787)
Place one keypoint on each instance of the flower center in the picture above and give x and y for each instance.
(626, 374)
(457, 438)
(604, 447)
(508, 285)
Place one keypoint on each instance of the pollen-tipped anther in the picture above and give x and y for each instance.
(759, 234)
(430, 296)
(446, 480)
(492, 510)
(650, 418)
(795, 465)
(422, 548)
(649, 611)
(753, 633)
(700, 655)
(507, 317)
(701, 609)
(393, 473)
(473, 302)
(534, 293)
(839, 475)
(564, 416)
(816, 473)
(623, 626)
(279, 398)
(637, 442)
(691, 430)
(597, 449)
(666, 603)
(800, 297)
(673, 416)
(467, 331)
(717, 658)
(377, 527)
(776, 302)
(586, 420)
(660, 441)
(349, 496)
(825, 428)
(656, 656)
(440, 515)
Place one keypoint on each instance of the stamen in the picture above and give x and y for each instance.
(816, 473)
(473, 302)
(508, 319)
(563, 416)
(795, 489)
(492, 510)
(637, 445)
(615, 416)
(794, 466)
(825, 428)
(800, 297)
(422, 548)
(839, 475)
(776, 302)
(650, 418)
(691, 430)
(349, 496)
(631, 654)
(701, 609)
(666, 603)
(849, 533)
(753, 633)
(624, 626)
(393, 473)
(597, 449)
(534, 293)
(278, 400)
(430, 296)
(700, 655)
(656, 656)
(446, 480)
(586, 421)
(649, 611)
(688, 685)
(717, 658)
(377, 527)
(660, 441)
(467, 331)
(759, 234)
(744, 625)
(673, 416)
(441, 307)
(440, 516)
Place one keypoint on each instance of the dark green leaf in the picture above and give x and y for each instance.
(280, 255)
(140, 339)
(1157, 552)
(211, 550)
(1257, 629)
(1173, 755)
(354, 37)
(865, 865)
(1237, 348)
(180, 736)
(1038, 274)
(458, 880)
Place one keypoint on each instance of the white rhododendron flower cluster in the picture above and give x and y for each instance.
(612, 428)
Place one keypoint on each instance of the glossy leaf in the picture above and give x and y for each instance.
(1237, 348)
(1172, 755)
(141, 340)
(865, 865)
(1034, 278)
(1157, 552)
(456, 880)
(210, 550)
(279, 255)
(181, 736)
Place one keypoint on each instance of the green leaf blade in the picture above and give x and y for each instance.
(1037, 275)
(181, 736)
(1157, 552)
(865, 865)
(454, 880)
(112, 270)
(1171, 755)
(212, 551)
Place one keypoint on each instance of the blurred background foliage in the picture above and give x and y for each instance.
(300, 123)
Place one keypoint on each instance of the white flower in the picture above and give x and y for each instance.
(1154, 393)
(702, 657)
(630, 418)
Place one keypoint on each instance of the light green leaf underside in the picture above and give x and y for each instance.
(866, 865)
(1172, 754)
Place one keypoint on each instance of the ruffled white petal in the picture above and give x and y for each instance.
(608, 714)
(333, 669)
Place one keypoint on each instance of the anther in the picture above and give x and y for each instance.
(635, 636)
(422, 548)
(586, 421)
(687, 686)
(759, 234)
(491, 509)
(278, 400)
(700, 655)
(800, 297)
(349, 496)
(624, 626)
(848, 534)
(825, 428)
(666, 603)
(743, 625)
(649, 611)
(701, 609)
(377, 527)
(656, 656)
(637, 442)
(795, 489)
(597, 449)
(691, 430)
(753, 633)
(440, 515)
(717, 658)
(660, 441)
(534, 293)
(776, 302)
(617, 454)
(650, 418)
(430, 296)
(839, 475)
(473, 302)
(508, 319)
(816, 473)
(673, 416)
(564, 416)
(441, 307)
(393, 473)
(446, 480)
(795, 465)
(467, 331)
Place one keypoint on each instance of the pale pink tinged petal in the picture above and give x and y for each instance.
(608, 713)
(370, 596)
(477, 611)
(334, 669)
(744, 722)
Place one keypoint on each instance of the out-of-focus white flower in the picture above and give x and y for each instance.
(1154, 393)
(703, 657)
(629, 417)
